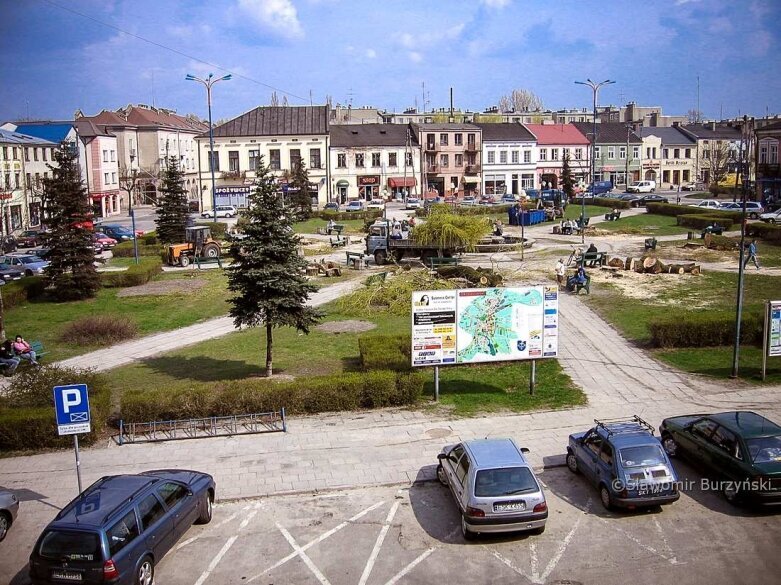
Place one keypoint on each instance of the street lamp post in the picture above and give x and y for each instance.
(595, 89)
(207, 83)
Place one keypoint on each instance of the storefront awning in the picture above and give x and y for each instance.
(400, 182)
(471, 179)
(342, 183)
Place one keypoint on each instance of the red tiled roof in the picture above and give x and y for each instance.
(565, 134)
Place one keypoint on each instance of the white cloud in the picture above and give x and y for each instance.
(407, 40)
(496, 3)
(682, 2)
(278, 15)
(371, 53)
(415, 57)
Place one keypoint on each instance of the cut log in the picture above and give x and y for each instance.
(616, 263)
(674, 269)
(649, 262)
(693, 269)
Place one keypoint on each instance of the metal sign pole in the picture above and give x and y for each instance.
(78, 460)
(532, 377)
(436, 383)
(766, 339)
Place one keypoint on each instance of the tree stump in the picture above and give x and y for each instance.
(616, 263)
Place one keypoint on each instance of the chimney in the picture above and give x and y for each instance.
(713, 126)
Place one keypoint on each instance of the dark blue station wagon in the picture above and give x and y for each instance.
(120, 527)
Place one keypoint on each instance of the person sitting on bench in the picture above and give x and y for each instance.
(576, 279)
(330, 226)
(8, 358)
(592, 249)
(498, 230)
(567, 227)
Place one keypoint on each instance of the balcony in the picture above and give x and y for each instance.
(472, 169)
(432, 146)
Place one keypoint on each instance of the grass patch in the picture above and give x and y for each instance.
(351, 226)
(644, 224)
(717, 362)
(573, 211)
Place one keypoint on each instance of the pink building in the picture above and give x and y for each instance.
(100, 167)
(554, 143)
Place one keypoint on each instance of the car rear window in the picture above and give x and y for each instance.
(642, 455)
(508, 481)
(71, 545)
(765, 449)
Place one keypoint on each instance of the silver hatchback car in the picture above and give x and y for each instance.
(494, 487)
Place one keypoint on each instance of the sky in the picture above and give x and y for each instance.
(60, 56)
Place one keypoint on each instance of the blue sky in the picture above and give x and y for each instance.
(380, 52)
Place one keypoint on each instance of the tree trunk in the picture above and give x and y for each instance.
(269, 343)
(651, 265)
(616, 263)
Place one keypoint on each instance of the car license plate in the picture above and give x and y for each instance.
(67, 575)
(510, 507)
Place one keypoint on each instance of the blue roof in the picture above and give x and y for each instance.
(13, 137)
(52, 132)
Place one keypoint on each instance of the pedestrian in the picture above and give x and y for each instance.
(752, 255)
(561, 272)
(8, 358)
(498, 230)
(24, 351)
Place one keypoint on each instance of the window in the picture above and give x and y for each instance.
(35, 153)
(27, 154)
(527, 156)
(703, 428)
(122, 533)
(593, 443)
(665, 153)
(706, 154)
(254, 158)
(676, 153)
(7, 183)
(16, 153)
(597, 152)
(105, 178)
(458, 139)
(688, 153)
(491, 157)
(463, 468)
(527, 181)
(459, 160)
(233, 161)
(214, 162)
(554, 154)
(622, 152)
(376, 159)
(773, 154)
(37, 179)
(113, 156)
(408, 159)
(359, 159)
(29, 178)
(443, 139)
(150, 510)
(503, 157)
(431, 140)
(607, 454)
(543, 154)
(295, 158)
(171, 493)
(444, 160)
(274, 159)
(314, 158)
(392, 156)
(611, 152)
(578, 154)
(114, 178)
(341, 161)
(763, 154)
(727, 440)
(17, 177)
(105, 155)
(635, 152)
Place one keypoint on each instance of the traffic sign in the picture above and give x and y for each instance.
(71, 405)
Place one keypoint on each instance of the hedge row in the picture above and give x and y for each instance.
(27, 408)
(769, 233)
(17, 292)
(343, 215)
(704, 329)
(702, 221)
(337, 392)
(603, 202)
(125, 250)
(672, 210)
(385, 352)
(136, 275)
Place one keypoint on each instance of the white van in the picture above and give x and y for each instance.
(642, 187)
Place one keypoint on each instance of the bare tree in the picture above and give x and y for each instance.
(130, 180)
(694, 116)
(274, 99)
(520, 100)
(719, 158)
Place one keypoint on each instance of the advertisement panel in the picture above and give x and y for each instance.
(484, 325)
(774, 330)
(235, 195)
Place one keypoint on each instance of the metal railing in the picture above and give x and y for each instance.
(199, 428)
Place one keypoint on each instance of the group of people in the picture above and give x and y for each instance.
(13, 352)
(580, 277)
(400, 229)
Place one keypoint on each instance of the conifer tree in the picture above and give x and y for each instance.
(71, 273)
(301, 199)
(267, 274)
(172, 206)
(567, 182)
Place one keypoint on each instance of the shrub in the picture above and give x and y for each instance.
(603, 202)
(346, 391)
(18, 291)
(702, 221)
(343, 215)
(673, 210)
(723, 243)
(99, 329)
(704, 329)
(149, 239)
(218, 229)
(136, 275)
(385, 352)
(769, 233)
(126, 250)
(27, 408)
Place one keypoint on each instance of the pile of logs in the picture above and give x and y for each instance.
(476, 277)
(323, 268)
(652, 265)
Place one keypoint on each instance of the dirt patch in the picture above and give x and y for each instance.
(646, 287)
(349, 326)
(163, 287)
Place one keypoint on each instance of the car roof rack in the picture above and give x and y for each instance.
(630, 424)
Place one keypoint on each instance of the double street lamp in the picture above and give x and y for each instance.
(207, 83)
(595, 89)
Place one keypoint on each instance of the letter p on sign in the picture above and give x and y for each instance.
(70, 398)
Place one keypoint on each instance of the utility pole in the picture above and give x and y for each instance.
(739, 305)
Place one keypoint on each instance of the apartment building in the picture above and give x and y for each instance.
(451, 158)
(617, 154)
(509, 153)
(717, 145)
(669, 157)
(768, 169)
(555, 142)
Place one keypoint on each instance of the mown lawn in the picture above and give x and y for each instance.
(647, 224)
(351, 226)
(573, 211)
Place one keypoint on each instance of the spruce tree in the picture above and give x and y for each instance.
(172, 206)
(71, 273)
(301, 199)
(567, 182)
(267, 274)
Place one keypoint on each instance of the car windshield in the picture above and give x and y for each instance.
(507, 481)
(641, 455)
(765, 449)
(73, 546)
(29, 259)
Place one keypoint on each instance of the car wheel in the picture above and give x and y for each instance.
(604, 495)
(572, 463)
(184, 261)
(441, 474)
(5, 524)
(731, 492)
(206, 512)
(146, 572)
(466, 533)
(753, 216)
(28, 272)
(771, 221)
(380, 257)
(670, 446)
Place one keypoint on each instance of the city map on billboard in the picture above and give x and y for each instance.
(484, 325)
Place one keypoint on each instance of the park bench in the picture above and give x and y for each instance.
(436, 261)
(208, 260)
(37, 347)
(376, 278)
(358, 260)
(337, 228)
(576, 288)
(712, 229)
(338, 242)
(612, 216)
(593, 259)
(650, 244)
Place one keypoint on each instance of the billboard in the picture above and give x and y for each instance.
(774, 329)
(484, 325)
(235, 195)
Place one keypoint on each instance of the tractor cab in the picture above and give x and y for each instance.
(198, 243)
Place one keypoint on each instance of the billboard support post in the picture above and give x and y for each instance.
(78, 460)
(436, 383)
(532, 377)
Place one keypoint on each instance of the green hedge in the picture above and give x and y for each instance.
(17, 292)
(704, 328)
(769, 233)
(381, 352)
(218, 229)
(343, 215)
(136, 275)
(27, 408)
(603, 202)
(337, 392)
(700, 222)
(672, 210)
(125, 250)
(474, 209)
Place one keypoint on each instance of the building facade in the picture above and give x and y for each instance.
(369, 161)
(669, 157)
(617, 153)
(718, 149)
(555, 142)
(768, 169)
(451, 159)
(509, 153)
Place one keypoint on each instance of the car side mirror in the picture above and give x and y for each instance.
(442, 456)
(524, 449)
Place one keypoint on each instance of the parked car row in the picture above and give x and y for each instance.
(496, 489)
(754, 209)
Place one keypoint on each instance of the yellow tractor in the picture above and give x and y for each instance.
(198, 244)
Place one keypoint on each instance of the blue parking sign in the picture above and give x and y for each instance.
(71, 405)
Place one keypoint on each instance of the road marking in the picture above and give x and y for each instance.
(510, 564)
(378, 544)
(634, 539)
(317, 540)
(226, 547)
(218, 525)
(304, 557)
(411, 566)
(563, 546)
(673, 560)
(533, 560)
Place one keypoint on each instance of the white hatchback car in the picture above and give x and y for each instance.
(376, 204)
(222, 211)
(707, 204)
(641, 187)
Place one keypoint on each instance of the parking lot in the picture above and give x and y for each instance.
(411, 534)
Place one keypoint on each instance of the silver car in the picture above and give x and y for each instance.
(9, 506)
(494, 487)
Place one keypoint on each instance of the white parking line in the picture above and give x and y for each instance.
(378, 544)
(673, 559)
(226, 547)
(218, 525)
(304, 557)
(563, 546)
(411, 566)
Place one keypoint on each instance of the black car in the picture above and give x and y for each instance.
(8, 272)
(647, 198)
(740, 449)
(120, 527)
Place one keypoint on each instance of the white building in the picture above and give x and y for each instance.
(509, 159)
